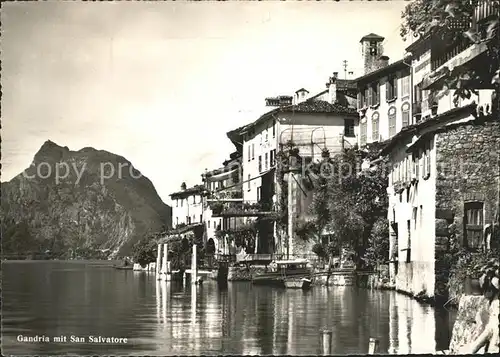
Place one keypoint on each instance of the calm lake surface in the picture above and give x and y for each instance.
(91, 299)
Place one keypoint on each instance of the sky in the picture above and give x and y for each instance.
(162, 83)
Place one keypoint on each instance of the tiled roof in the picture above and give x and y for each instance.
(310, 106)
(318, 106)
(346, 84)
(189, 191)
(372, 36)
(382, 72)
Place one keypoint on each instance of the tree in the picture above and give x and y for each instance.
(451, 19)
(348, 201)
(378, 247)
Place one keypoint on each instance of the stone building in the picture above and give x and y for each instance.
(223, 185)
(325, 120)
(444, 177)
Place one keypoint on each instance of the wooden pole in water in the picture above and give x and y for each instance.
(327, 342)
(373, 346)
(194, 274)
(158, 262)
(165, 261)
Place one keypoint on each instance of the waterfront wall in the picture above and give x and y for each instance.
(473, 315)
(467, 171)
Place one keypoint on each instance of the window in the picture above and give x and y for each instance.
(474, 224)
(391, 88)
(249, 151)
(408, 250)
(249, 182)
(258, 193)
(405, 86)
(349, 128)
(417, 90)
(374, 94)
(267, 134)
(426, 160)
(201, 218)
(373, 48)
(260, 163)
(274, 128)
(405, 109)
(177, 202)
(176, 221)
(188, 220)
(415, 215)
(416, 165)
(392, 121)
(182, 202)
(273, 157)
(266, 162)
(363, 130)
(253, 151)
(362, 94)
(208, 224)
(375, 130)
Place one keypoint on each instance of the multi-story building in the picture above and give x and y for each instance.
(224, 187)
(384, 94)
(187, 208)
(444, 182)
(327, 120)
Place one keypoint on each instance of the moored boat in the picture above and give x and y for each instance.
(297, 283)
(286, 272)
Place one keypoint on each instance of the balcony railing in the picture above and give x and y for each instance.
(438, 60)
(484, 9)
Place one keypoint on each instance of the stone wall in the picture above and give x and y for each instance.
(467, 158)
(472, 317)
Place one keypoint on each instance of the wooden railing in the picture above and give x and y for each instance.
(439, 60)
(484, 9)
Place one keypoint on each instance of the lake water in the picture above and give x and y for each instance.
(86, 299)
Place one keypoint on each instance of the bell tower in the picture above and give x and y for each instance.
(372, 49)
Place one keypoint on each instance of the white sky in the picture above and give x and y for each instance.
(162, 83)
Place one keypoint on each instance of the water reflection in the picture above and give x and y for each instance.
(169, 318)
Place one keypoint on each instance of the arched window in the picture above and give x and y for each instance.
(392, 121)
(405, 110)
(375, 127)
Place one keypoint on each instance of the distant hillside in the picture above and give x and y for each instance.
(69, 201)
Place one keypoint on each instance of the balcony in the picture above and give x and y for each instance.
(440, 59)
(484, 10)
(240, 209)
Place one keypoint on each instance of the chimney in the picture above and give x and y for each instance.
(332, 88)
(383, 61)
(183, 186)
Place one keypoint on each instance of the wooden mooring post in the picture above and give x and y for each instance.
(326, 339)
(373, 346)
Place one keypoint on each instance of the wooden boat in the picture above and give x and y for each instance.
(286, 271)
(295, 283)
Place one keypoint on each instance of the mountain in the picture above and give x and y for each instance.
(74, 201)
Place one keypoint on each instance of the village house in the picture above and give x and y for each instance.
(327, 120)
(187, 211)
(384, 94)
(223, 185)
(444, 180)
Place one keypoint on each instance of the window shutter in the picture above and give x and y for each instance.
(378, 93)
(359, 100)
(369, 96)
(395, 91)
(388, 89)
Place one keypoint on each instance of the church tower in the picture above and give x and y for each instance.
(372, 51)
